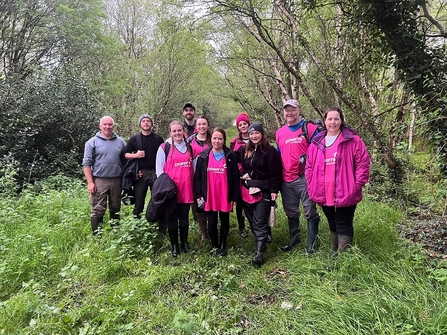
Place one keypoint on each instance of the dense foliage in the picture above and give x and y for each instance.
(56, 278)
(418, 43)
(44, 124)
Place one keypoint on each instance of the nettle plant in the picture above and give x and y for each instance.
(134, 238)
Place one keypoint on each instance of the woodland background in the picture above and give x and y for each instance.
(65, 63)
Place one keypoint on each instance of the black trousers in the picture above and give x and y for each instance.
(239, 215)
(258, 214)
(180, 217)
(212, 218)
(140, 190)
(340, 219)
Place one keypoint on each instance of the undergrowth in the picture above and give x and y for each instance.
(56, 278)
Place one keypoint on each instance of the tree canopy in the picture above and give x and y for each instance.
(382, 62)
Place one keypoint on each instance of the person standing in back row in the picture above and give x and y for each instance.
(189, 112)
(103, 170)
(199, 142)
(242, 124)
(143, 146)
(292, 145)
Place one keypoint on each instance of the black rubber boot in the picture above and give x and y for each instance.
(114, 219)
(95, 223)
(312, 234)
(223, 241)
(241, 224)
(334, 240)
(259, 256)
(269, 235)
(294, 230)
(173, 237)
(334, 244)
(184, 239)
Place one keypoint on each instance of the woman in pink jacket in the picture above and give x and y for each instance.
(337, 168)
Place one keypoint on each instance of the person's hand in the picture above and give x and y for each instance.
(140, 154)
(91, 188)
(200, 202)
(274, 196)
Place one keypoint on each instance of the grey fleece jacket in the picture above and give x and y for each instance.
(103, 155)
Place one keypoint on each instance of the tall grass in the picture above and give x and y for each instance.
(55, 278)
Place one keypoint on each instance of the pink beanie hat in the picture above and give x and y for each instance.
(242, 117)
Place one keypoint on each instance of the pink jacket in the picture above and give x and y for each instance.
(351, 169)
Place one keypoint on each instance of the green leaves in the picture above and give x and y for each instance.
(44, 124)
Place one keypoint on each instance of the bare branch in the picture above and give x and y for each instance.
(435, 22)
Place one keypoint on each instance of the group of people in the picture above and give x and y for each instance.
(310, 166)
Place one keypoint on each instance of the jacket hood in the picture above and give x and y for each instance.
(99, 135)
(347, 133)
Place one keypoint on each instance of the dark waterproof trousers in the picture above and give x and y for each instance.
(258, 214)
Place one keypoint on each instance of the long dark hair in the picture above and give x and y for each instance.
(250, 147)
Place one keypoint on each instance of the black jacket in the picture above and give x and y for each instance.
(163, 199)
(201, 176)
(148, 143)
(130, 177)
(264, 168)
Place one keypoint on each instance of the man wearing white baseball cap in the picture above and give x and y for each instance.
(292, 145)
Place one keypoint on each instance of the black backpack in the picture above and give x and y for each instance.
(305, 131)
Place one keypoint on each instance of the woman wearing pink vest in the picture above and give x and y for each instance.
(216, 186)
(177, 164)
(242, 124)
(337, 168)
(200, 141)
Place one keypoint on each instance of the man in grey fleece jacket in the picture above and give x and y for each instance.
(103, 171)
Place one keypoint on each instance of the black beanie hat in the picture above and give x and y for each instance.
(256, 126)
